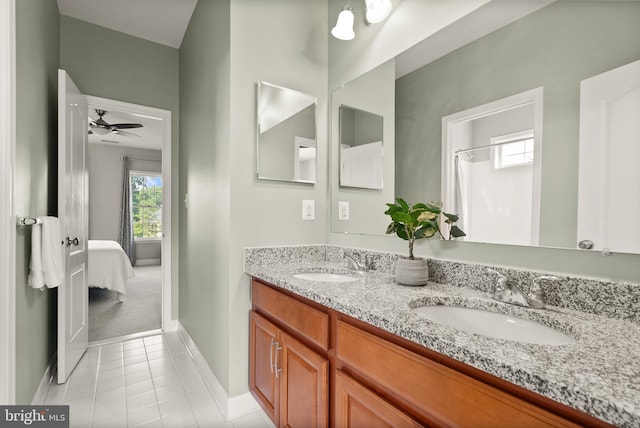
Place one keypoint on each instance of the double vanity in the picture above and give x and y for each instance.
(334, 346)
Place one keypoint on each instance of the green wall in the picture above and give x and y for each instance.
(204, 174)
(110, 64)
(228, 48)
(555, 48)
(37, 58)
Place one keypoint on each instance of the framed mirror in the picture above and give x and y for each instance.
(361, 151)
(554, 47)
(286, 134)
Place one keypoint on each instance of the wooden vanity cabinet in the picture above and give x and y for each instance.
(287, 377)
(376, 378)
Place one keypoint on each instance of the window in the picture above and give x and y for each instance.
(146, 205)
(513, 149)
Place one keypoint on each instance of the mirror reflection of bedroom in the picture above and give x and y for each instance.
(125, 223)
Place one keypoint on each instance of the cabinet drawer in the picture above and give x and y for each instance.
(441, 395)
(293, 314)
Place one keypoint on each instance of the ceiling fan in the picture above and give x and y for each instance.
(102, 127)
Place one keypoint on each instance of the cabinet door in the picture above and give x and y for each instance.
(262, 348)
(304, 385)
(357, 406)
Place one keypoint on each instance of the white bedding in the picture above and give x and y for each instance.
(109, 266)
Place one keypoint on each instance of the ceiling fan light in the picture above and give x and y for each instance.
(344, 25)
(100, 130)
(377, 10)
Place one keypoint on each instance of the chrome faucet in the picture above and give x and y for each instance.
(536, 296)
(507, 291)
(354, 264)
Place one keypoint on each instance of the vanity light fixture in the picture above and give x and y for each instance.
(344, 26)
(376, 11)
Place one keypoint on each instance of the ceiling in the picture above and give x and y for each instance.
(150, 134)
(161, 21)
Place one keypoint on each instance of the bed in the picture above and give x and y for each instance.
(109, 267)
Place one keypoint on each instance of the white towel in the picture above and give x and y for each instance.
(46, 267)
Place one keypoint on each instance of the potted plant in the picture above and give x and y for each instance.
(419, 221)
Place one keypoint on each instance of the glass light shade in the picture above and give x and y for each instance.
(377, 10)
(100, 130)
(344, 26)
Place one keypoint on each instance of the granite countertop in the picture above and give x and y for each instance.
(598, 374)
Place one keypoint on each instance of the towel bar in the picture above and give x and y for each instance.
(28, 221)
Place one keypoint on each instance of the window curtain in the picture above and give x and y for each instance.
(126, 219)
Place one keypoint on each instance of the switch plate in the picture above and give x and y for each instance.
(308, 209)
(343, 210)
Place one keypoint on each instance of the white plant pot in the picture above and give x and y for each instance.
(412, 272)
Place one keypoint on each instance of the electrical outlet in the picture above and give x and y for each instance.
(308, 209)
(343, 210)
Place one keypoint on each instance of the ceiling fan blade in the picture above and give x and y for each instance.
(124, 133)
(126, 125)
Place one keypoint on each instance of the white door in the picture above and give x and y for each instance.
(609, 177)
(73, 203)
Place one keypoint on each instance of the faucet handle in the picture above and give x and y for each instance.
(536, 296)
(539, 279)
(502, 279)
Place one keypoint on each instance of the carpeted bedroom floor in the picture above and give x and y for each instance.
(141, 311)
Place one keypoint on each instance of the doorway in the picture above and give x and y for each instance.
(145, 142)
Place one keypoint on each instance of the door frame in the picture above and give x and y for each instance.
(7, 214)
(167, 323)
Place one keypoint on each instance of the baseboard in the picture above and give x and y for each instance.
(231, 407)
(43, 388)
(148, 262)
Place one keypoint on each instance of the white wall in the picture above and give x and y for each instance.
(105, 190)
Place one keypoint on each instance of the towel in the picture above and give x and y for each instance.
(46, 266)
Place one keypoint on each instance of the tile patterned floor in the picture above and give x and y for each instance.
(144, 382)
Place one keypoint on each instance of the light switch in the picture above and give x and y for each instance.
(343, 210)
(308, 209)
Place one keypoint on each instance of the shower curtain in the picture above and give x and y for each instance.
(463, 173)
(125, 237)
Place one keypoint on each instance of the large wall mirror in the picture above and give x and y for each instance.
(552, 49)
(286, 134)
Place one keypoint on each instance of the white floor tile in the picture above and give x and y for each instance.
(139, 388)
(148, 382)
(139, 401)
(210, 416)
(168, 392)
(134, 351)
(80, 392)
(137, 377)
(182, 419)
(133, 359)
(167, 381)
(174, 405)
(137, 367)
(154, 355)
(110, 384)
(144, 415)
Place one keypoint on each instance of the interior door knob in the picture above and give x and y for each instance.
(74, 241)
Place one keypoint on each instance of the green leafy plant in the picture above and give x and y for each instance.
(420, 221)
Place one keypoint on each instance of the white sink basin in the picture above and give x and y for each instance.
(493, 324)
(324, 277)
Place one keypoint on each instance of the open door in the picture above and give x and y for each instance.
(73, 203)
(609, 177)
